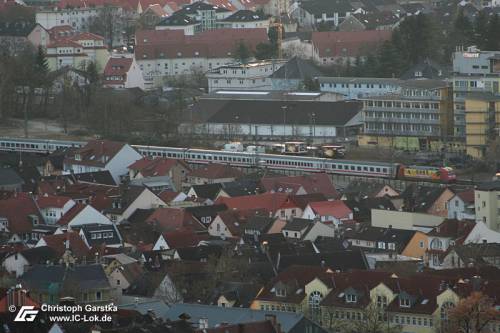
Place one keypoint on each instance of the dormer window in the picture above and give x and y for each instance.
(404, 302)
(418, 74)
(78, 157)
(280, 292)
(351, 298)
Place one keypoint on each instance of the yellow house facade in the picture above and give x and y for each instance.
(482, 123)
(357, 299)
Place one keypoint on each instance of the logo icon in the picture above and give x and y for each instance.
(27, 313)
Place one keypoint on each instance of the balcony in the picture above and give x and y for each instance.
(402, 121)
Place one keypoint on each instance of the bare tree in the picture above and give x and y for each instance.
(473, 314)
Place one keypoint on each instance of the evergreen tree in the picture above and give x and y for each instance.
(463, 31)
(242, 53)
(265, 51)
(389, 61)
(480, 30)
(493, 34)
(358, 67)
(371, 66)
(40, 67)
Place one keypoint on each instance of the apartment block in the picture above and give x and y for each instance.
(487, 202)
(474, 71)
(421, 113)
(482, 122)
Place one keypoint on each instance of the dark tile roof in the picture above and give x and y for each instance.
(52, 277)
(399, 237)
(343, 260)
(428, 69)
(245, 15)
(270, 112)
(242, 293)
(489, 186)
(177, 19)
(9, 176)
(202, 211)
(297, 224)
(242, 187)
(363, 188)
(318, 7)
(207, 191)
(261, 223)
(89, 230)
(361, 207)
(98, 177)
(420, 198)
(39, 255)
(297, 69)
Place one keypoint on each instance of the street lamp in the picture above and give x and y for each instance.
(284, 108)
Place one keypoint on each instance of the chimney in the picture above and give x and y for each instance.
(476, 282)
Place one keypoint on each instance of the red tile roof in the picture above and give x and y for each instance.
(336, 208)
(17, 210)
(219, 43)
(150, 167)
(95, 153)
(86, 36)
(467, 196)
(75, 244)
(453, 228)
(216, 171)
(167, 196)
(64, 43)
(315, 183)
(266, 201)
(352, 44)
(18, 301)
(301, 201)
(150, 37)
(71, 214)
(233, 221)
(61, 32)
(174, 219)
(52, 201)
(118, 67)
(185, 238)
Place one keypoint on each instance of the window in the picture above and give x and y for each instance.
(445, 308)
(98, 296)
(314, 300)
(404, 302)
(351, 298)
(118, 282)
(421, 244)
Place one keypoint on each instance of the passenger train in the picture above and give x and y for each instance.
(246, 159)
